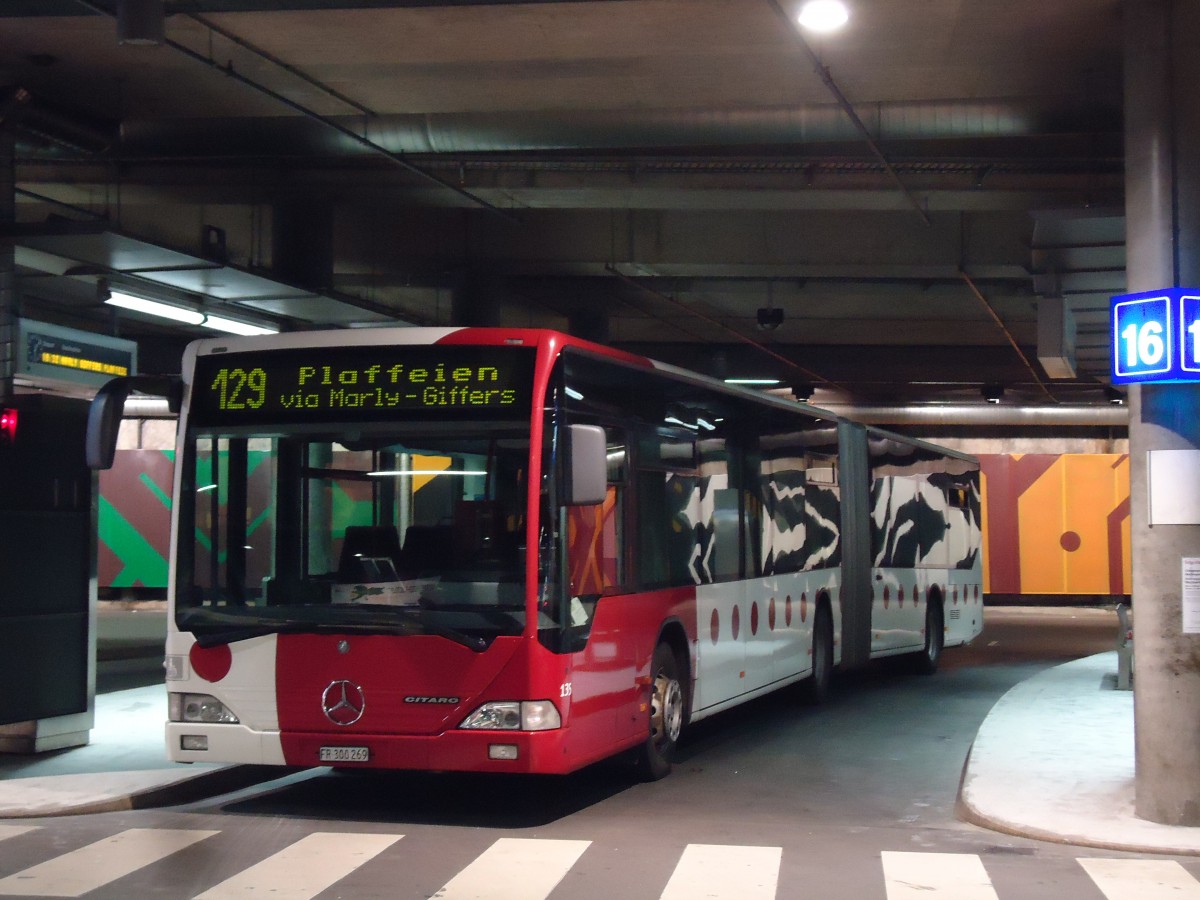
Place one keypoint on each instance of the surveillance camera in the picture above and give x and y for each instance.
(769, 318)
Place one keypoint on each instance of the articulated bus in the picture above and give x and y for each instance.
(511, 550)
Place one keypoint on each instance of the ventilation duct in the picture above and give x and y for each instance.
(1056, 338)
(140, 22)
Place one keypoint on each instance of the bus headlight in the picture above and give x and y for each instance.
(198, 708)
(511, 715)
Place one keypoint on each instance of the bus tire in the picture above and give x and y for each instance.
(815, 689)
(935, 638)
(667, 701)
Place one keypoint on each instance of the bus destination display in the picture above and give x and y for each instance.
(327, 383)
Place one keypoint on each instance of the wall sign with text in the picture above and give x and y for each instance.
(1156, 336)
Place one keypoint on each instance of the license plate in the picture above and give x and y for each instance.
(345, 754)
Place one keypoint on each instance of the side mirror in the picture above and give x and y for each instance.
(585, 469)
(104, 416)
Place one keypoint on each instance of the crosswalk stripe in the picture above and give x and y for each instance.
(514, 869)
(1142, 879)
(305, 868)
(720, 872)
(7, 831)
(929, 876)
(531, 869)
(95, 865)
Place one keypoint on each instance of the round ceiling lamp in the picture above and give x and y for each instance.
(823, 15)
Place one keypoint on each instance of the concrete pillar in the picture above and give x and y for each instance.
(1162, 207)
(8, 283)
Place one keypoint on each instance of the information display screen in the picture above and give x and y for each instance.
(371, 383)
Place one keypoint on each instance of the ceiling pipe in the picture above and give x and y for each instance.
(1107, 416)
(784, 127)
(139, 407)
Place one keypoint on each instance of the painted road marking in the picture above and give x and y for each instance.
(8, 831)
(1142, 879)
(514, 869)
(95, 865)
(305, 868)
(720, 872)
(932, 876)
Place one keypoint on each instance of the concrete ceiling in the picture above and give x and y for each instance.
(910, 193)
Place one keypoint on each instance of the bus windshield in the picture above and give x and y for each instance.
(402, 529)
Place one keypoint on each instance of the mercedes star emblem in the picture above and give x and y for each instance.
(343, 703)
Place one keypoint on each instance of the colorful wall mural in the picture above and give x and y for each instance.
(1056, 523)
(134, 513)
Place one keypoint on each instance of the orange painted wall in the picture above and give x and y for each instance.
(1056, 523)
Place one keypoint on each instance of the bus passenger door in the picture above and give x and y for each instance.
(603, 690)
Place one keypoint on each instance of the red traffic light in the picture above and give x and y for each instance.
(8, 424)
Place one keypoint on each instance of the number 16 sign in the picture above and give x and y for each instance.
(1156, 336)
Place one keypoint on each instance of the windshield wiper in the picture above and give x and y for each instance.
(213, 628)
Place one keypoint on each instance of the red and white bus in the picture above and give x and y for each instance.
(510, 550)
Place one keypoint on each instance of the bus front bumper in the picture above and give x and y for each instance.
(456, 751)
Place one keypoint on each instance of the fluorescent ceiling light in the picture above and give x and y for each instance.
(763, 381)
(154, 308)
(186, 315)
(233, 326)
(823, 15)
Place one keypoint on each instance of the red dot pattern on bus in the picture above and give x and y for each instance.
(211, 663)
(214, 672)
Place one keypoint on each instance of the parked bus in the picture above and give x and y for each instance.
(510, 550)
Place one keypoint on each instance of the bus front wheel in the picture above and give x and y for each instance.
(666, 714)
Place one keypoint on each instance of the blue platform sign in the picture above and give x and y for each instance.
(1189, 330)
(1156, 336)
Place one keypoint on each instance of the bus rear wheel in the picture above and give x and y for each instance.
(935, 637)
(666, 714)
(815, 689)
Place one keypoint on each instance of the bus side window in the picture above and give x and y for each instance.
(668, 509)
(782, 480)
(718, 532)
(752, 514)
